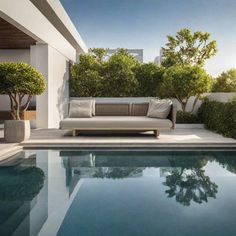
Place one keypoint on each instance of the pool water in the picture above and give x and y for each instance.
(109, 193)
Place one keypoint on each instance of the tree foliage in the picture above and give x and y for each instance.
(219, 117)
(226, 82)
(119, 75)
(188, 48)
(18, 80)
(149, 76)
(99, 75)
(86, 76)
(182, 82)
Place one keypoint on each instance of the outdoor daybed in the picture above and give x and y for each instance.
(118, 117)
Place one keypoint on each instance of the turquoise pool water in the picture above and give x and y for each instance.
(109, 193)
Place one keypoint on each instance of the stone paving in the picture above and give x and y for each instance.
(180, 137)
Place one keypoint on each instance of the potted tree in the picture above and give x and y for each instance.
(19, 81)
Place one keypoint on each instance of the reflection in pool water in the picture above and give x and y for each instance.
(50, 192)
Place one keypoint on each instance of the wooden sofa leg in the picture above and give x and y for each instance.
(156, 133)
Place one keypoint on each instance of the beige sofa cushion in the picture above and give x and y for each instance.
(81, 108)
(159, 108)
(115, 123)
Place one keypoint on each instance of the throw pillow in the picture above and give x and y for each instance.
(81, 108)
(159, 108)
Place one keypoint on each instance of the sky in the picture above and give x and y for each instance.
(144, 24)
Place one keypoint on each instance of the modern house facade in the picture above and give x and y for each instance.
(41, 34)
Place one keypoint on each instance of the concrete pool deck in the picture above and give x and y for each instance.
(178, 138)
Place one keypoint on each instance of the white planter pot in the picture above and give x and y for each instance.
(16, 131)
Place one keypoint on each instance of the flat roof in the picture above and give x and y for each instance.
(56, 14)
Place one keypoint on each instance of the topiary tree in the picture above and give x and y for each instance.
(188, 48)
(149, 76)
(226, 82)
(182, 82)
(18, 80)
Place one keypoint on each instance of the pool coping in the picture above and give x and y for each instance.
(129, 145)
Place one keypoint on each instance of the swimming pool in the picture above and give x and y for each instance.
(104, 192)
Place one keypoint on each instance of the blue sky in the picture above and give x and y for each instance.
(145, 24)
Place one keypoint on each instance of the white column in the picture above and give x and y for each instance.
(39, 59)
(52, 105)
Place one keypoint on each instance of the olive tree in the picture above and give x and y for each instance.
(182, 82)
(19, 80)
(226, 82)
(188, 48)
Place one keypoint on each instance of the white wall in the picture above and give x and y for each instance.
(52, 104)
(15, 55)
(220, 97)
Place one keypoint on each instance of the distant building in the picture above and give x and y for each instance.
(137, 53)
(159, 58)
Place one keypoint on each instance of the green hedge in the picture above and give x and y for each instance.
(120, 75)
(187, 118)
(219, 117)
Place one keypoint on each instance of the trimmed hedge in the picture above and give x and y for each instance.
(187, 118)
(219, 117)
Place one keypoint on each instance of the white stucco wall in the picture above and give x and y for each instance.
(15, 55)
(52, 104)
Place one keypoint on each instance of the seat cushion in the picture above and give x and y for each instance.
(115, 123)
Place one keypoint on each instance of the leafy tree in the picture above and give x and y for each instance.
(182, 82)
(86, 77)
(188, 48)
(119, 76)
(18, 80)
(149, 76)
(226, 82)
(97, 75)
(99, 54)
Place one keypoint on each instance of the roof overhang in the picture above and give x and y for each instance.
(45, 22)
(56, 14)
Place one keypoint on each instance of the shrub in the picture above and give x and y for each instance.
(94, 76)
(226, 82)
(149, 78)
(119, 76)
(86, 77)
(18, 80)
(182, 82)
(187, 118)
(219, 117)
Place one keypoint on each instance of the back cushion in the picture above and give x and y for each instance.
(81, 108)
(112, 109)
(140, 109)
